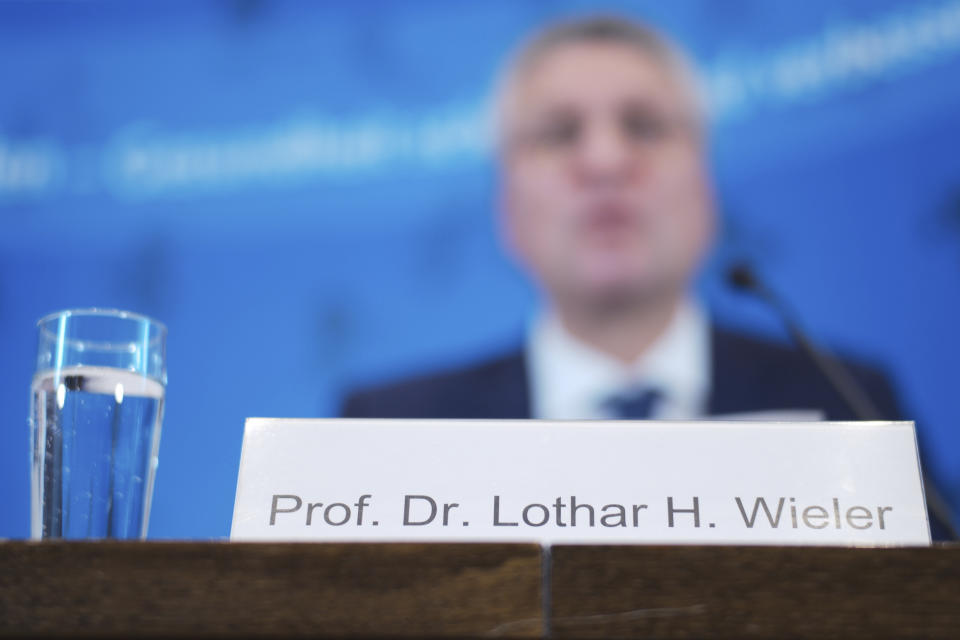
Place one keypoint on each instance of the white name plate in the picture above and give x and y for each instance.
(814, 483)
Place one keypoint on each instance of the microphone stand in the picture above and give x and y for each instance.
(742, 278)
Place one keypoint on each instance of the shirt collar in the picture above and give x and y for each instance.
(570, 379)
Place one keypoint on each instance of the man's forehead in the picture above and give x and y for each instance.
(581, 70)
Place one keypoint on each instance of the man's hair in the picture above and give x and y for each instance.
(599, 29)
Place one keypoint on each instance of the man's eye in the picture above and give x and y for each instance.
(644, 127)
(556, 134)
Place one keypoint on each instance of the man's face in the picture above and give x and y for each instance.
(604, 190)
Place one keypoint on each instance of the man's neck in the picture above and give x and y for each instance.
(623, 331)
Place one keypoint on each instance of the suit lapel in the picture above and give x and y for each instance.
(739, 378)
(510, 388)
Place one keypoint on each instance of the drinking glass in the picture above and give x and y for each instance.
(95, 414)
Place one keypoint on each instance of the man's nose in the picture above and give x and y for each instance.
(604, 155)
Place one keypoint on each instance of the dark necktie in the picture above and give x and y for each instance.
(633, 404)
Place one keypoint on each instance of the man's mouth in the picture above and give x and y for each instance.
(609, 218)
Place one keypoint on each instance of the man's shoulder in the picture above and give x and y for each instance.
(773, 372)
(768, 355)
(493, 388)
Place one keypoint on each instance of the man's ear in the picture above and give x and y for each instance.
(508, 226)
(713, 222)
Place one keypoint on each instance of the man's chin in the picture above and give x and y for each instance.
(618, 293)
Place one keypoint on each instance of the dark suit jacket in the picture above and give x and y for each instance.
(747, 375)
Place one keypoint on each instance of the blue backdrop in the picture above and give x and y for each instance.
(304, 193)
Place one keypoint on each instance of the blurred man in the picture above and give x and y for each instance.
(607, 203)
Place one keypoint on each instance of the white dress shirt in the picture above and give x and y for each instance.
(570, 380)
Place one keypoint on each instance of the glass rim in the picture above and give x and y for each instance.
(104, 312)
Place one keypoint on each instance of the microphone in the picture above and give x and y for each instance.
(741, 277)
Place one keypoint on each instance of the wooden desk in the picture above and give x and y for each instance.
(220, 589)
